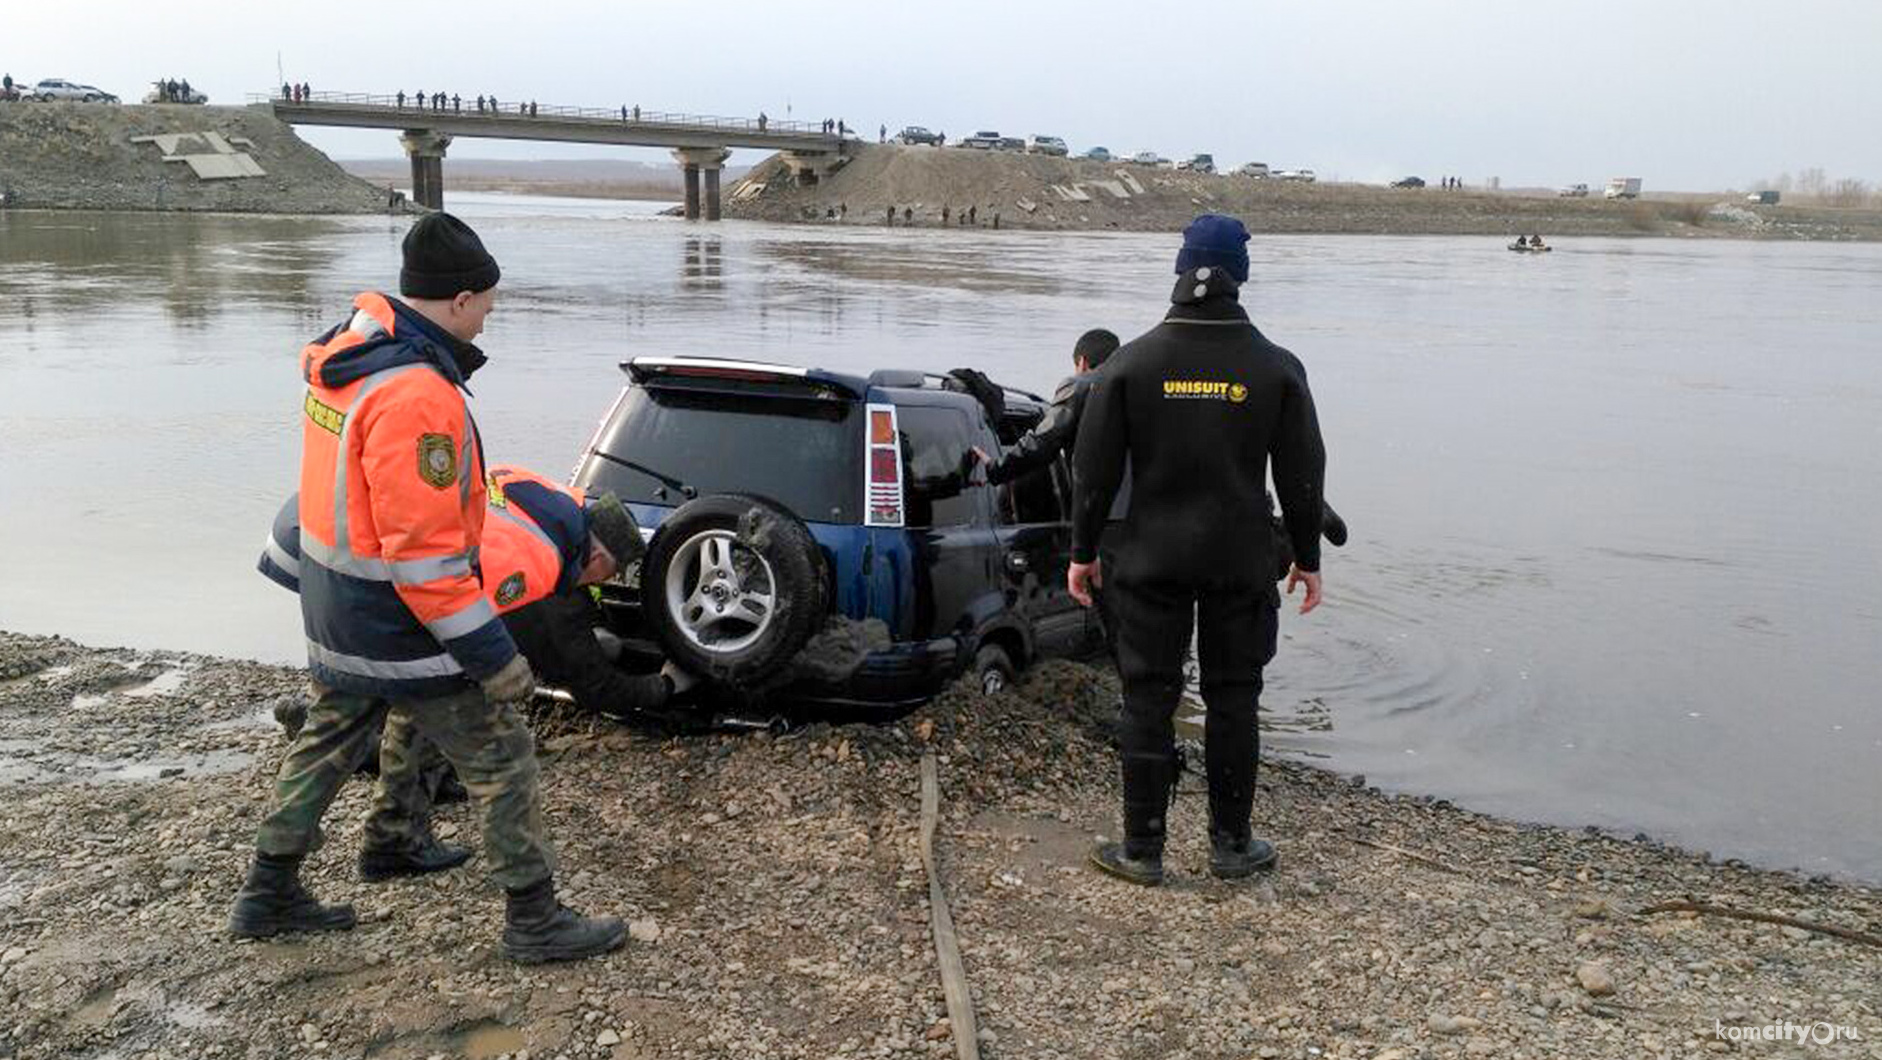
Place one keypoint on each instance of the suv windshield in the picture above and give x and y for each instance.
(803, 453)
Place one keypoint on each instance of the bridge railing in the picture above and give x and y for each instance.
(518, 110)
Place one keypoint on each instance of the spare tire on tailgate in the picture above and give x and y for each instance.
(733, 585)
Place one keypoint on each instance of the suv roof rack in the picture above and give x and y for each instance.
(643, 369)
(915, 379)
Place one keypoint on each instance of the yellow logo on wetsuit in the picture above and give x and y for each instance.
(1206, 389)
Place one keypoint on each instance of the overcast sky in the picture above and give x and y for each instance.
(1688, 94)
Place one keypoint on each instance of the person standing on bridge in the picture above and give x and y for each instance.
(532, 108)
(636, 112)
(882, 135)
(457, 104)
(761, 121)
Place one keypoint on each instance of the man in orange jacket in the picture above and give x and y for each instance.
(391, 514)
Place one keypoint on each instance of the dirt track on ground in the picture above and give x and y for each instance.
(778, 902)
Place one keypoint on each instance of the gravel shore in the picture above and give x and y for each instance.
(778, 904)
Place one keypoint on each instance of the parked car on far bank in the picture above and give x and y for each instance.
(54, 90)
(1762, 198)
(1409, 182)
(918, 134)
(984, 140)
(1299, 176)
(1099, 154)
(1574, 191)
(1047, 145)
(1149, 158)
(1010, 143)
(1257, 170)
(1198, 163)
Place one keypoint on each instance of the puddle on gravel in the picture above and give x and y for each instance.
(18, 764)
(491, 1040)
(164, 684)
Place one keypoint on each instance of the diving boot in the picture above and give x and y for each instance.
(424, 856)
(1234, 859)
(537, 928)
(273, 902)
(1112, 860)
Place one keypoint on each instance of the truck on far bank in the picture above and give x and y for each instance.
(1622, 188)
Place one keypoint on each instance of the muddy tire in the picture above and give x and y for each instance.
(993, 670)
(733, 585)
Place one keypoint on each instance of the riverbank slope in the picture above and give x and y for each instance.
(89, 156)
(1061, 194)
(778, 902)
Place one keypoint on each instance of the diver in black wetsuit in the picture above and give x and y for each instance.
(1196, 408)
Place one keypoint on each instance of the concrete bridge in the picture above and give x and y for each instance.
(700, 143)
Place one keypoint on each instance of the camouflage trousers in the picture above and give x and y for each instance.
(487, 743)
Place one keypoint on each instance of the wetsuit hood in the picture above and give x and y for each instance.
(1207, 292)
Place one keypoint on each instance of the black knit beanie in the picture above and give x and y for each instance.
(443, 257)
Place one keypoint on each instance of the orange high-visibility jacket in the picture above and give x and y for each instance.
(535, 542)
(535, 538)
(392, 512)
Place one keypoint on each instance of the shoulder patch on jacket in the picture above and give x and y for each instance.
(511, 589)
(437, 460)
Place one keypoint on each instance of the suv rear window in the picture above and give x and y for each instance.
(804, 453)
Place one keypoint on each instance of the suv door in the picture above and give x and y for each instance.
(1036, 545)
(948, 522)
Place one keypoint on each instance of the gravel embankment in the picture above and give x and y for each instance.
(79, 156)
(779, 906)
(1019, 188)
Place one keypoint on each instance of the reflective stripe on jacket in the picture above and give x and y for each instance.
(535, 539)
(391, 512)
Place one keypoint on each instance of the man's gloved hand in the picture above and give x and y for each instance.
(512, 684)
(681, 679)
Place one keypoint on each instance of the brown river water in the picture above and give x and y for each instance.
(1615, 509)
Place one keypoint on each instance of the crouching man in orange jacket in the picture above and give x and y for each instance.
(392, 504)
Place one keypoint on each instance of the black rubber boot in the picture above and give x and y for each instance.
(273, 902)
(1111, 859)
(1233, 859)
(377, 864)
(537, 928)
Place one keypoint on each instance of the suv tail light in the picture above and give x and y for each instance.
(882, 455)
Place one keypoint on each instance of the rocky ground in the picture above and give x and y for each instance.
(79, 156)
(779, 907)
(1019, 189)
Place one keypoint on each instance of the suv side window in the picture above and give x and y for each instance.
(934, 446)
(1032, 498)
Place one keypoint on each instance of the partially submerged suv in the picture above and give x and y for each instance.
(782, 501)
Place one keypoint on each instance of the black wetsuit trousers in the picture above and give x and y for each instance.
(1234, 627)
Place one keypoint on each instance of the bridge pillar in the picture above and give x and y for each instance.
(426, 149)
(807, 168)
(692, 191)
(693, 160)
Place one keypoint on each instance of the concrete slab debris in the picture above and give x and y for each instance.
(208, 154)
(1129, 181)
(1117, 190)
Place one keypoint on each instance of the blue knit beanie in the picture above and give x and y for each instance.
(1215, 239)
